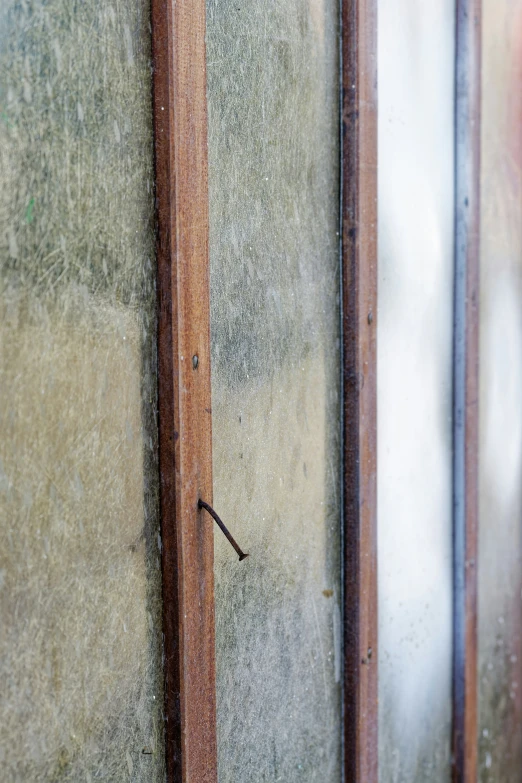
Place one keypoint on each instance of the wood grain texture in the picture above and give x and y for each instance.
(180, 119)
(466, 384)
(359, 258)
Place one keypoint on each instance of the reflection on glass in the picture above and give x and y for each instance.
(79, 559)
(416, 111)
(500, 528)
(273, 128)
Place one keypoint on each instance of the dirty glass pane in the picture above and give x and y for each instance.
(500, 521)
(416, 110)
(273, 146)
(79, 560)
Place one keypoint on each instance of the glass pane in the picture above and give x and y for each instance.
(80, 641)
(274, 170)
(500, 530)
(416, 129)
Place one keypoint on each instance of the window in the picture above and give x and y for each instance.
(240, 266)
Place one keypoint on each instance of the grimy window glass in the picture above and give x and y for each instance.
(274, 261)
(500, 520)
(80, 641)
(416, 56)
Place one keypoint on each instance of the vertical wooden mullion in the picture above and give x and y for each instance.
(465, 388)
(359, 297)
(180, 124)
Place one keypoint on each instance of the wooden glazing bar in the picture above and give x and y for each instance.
(180, 122)
(359, 301)
(465, 388)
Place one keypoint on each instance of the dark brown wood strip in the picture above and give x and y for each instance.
(465, 385)
(180, 122)
(359, 258)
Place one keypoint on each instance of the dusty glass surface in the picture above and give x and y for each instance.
(273, 146)
(80, 632)
(416, 110)
(500, 528)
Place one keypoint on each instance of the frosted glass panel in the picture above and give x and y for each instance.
(80, 585)
(274, 169)
(500, 521)
(416, 128)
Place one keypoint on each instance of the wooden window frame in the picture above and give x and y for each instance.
(359, 253)
(185, 421)
(466, 389)
(359, 337)
(180, 125)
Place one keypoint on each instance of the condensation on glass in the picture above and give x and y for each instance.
(416, 157)
(274, 213)
(80, 638)
(500, 521)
